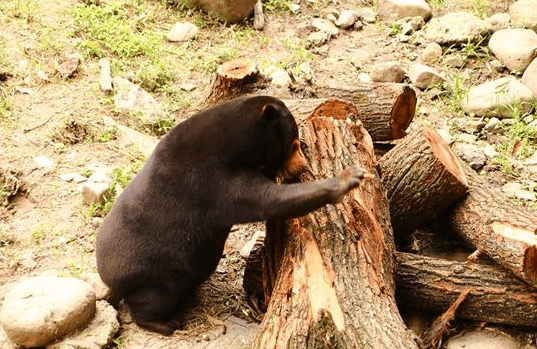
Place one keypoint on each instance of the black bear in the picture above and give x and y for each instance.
(166, 232)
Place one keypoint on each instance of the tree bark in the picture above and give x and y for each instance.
(235, 78)
(507, 233)
(386, 110)
(381, 126)
(422, 177)
(495, 295)
(329, 275)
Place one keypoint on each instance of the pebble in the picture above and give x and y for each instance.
(182, 32)
(52, 307)
(43, 161)
(96, 188)
(424, 76)
(132, 97)
(498, 21)
(391, 10)
(347, 18)
(387, 72)
(516, 48)
(432, 53)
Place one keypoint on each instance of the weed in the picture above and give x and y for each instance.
(154, 75)
(108, 135)
(161, 126)
(436, 3)
(26, 10)
(394, 29)
(42, 231)
(276, 6)
(480, 8)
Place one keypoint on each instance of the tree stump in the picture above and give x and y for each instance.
(507, 233)
(235, 78)
(380, 126)
(329, 276)
(496, 295)
(422, 177)
(386, 110)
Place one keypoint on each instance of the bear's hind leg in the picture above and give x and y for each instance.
(157, 308)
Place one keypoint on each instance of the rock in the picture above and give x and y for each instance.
(454, 60)
(410, 25)
(432, 53)
(515, 190)
(492, 124)
(230, 11)
(490, 152)
(317, 39)
(98, 334)
(102, 292)
(524, 13)
(498, 21)
(280, 77)
(529, 78)
(367, 14)
(52, 307)
(182, 32)
(387, 72)
(69, 66)
(128, 136)
(325, 26)
(482, 339)
(96, 188)
(347, 18)
(72, 176)
(515, 48)
(456, 28)
(423, 76)
(43, 161)
(391, 10)
(494, 97)
(131, 97)
(471, 154)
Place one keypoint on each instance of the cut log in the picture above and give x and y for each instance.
(422, 177)
(495, 296)
(386, 110)
(235, 78)
(506, 233)
(381, 127)
(329, 276)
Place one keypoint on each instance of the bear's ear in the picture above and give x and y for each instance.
(270, 111)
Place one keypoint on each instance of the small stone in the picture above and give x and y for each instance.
(492, 124)
(456, 28)
(188, 87)
(498, 21)
(454, 60)
(423, 76)
(387, 72)
(52, 307)
(43, 162)
(102, 292)
(325, 26)
(279, 77)
(96, 188)
(490, 152)
(432, 53)
(75, 177)
(247, 248)
(411, 25)
(69, 66)
(368, 15)
(182, 32)
(482, 339)
(347, 18)
(318, 39)
(391, 10)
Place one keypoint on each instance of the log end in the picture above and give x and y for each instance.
(530, 264)
(335, 108)
(446, 156)
(402, 113)
(237, 69)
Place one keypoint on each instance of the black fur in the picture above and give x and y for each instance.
(166, 232)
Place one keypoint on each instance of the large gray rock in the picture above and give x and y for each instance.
(391, 10)
(494, 98)
(456, 28)
(529, 78)
(524, 13)
(98, 334)
(226, 10)
(515, 48)
(38, 310)
(482, 339)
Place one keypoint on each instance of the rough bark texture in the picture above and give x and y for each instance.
(422, 177)
(495, 295)
(381, 126)
(331, 272)
(386, 110)
(486, 219)
(235, 78)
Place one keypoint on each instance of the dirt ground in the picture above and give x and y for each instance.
(44, 227)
